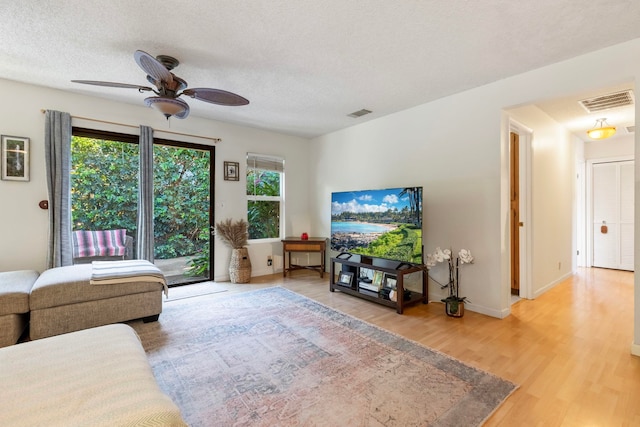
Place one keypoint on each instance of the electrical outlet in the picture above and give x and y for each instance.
(269, 261)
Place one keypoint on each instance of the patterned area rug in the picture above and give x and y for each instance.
(272, 357)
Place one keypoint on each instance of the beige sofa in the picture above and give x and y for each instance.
(62, 300)
(15, 287)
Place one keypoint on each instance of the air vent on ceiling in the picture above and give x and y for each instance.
(360, 113)
(606, 102)
(631, 129)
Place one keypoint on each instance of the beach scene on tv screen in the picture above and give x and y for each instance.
(378, 223)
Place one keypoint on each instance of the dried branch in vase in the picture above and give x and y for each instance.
(232, 233)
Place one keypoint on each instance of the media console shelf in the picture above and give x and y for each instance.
(351, 269)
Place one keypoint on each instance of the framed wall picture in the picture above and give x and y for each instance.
(231, 171)
(15, 158)
(345, 278)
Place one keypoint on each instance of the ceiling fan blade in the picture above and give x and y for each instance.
(153, 67)
(216, 96)
(111, 84)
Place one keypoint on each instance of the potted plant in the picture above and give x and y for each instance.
(454, 303)
(234, 234)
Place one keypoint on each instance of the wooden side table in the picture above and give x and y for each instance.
(296, 244)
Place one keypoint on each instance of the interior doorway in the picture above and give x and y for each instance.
(514, 208)
(520, 209)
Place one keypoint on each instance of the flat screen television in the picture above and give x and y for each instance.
(378, 223)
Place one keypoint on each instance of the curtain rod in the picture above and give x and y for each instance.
(215, 140)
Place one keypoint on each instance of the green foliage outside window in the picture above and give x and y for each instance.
(104, 185)
(263, 207)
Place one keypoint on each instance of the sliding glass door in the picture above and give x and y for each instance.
(104, 196)
(182, 186)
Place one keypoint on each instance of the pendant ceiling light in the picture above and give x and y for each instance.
(168, 106)
(601, 130)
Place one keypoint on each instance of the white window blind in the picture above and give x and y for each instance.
(264, 162)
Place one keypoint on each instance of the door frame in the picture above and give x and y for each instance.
(589, 200)
(525, 136)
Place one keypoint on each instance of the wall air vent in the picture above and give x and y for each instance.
(631, 129)
(606, 102)
(360, 113)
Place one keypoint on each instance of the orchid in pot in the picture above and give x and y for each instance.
(454, 304)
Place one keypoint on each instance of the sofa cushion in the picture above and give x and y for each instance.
(70, 285)
(15, 287)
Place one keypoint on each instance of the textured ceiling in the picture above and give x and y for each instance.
(304, 65)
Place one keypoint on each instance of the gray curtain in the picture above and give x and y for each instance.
(144, 247)
(57, 141)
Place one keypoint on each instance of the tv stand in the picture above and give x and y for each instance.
(392, 269)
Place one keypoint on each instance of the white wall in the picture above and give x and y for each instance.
(23, 225)
(460, 173)
(615, 147)
(457, 149)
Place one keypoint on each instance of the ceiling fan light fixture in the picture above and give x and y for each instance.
(601, 130)
(168, 106)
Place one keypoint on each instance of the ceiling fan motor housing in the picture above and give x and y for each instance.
(168, 61)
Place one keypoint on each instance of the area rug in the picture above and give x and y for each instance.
(271, 357)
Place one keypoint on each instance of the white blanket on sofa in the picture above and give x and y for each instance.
(126, 271)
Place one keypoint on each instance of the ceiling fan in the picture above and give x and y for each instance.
(169, 87)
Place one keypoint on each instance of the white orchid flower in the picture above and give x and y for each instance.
(447, 253)
(439, 255)
(465, 256)
(431, 261)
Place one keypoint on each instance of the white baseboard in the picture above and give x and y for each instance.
(551, 285)
(223, 278)
(500, 314)
(635, 349)
(263, 271)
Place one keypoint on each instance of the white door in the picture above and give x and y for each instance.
(613, 215)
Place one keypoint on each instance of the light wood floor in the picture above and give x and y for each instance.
(569, 350)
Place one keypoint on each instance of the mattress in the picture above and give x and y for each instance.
(94, 377)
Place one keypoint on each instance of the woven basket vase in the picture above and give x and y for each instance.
(240, 266)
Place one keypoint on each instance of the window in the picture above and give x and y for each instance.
(265, 201)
